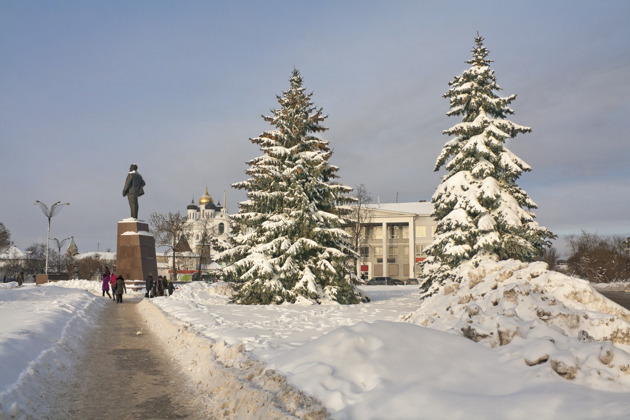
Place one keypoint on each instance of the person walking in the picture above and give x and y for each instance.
(20, 278)
(160, 286)
(149, 285)
(112, 283)
(120, 289)
(171, 288)
(106, 285)
(106, 279)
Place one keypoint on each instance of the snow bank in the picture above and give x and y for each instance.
(540, 317)
(361, 361)
(231, 384)
(364, 362)
(42, 332)
(396, 370)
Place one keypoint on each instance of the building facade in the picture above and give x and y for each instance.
(393, 239)
(207, 223)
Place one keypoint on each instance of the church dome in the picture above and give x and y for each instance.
(192, 205)
(205, 198)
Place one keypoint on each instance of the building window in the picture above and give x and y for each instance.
(221, 228)
(393, 232)
(365, 232)
(419, 250)
(378, 253)
(406, 251)
(392, 252)
(398, 231)
(421, 231)
(364, 251)
(377, 232)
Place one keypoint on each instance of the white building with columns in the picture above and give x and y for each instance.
(395, 236)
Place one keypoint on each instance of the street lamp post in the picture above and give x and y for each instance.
(60, 244)
(49, 213)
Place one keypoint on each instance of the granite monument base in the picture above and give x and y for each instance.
(46, 278)
(135, 256)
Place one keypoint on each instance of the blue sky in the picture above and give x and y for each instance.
(87, 88)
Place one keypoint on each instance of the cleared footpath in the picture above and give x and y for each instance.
(124, 373)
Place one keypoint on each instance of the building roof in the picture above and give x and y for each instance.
(101, 255)
(13, 253)
(205, 198)
(72, 248)
(416, 207)
(192, 205)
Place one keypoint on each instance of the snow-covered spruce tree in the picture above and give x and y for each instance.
(288, 238)
(480, 210)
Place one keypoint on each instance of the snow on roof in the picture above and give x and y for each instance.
(13, 253)
(415, 207)
(101, 255)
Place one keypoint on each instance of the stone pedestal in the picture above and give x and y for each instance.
(135, 256)
(46, 278)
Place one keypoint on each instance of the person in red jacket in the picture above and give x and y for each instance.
(112, 283)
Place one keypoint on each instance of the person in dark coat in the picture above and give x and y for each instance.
(149, 286)
(120, 288)
(160, 286)
(20, 278)
(171, 288)
(134, 188)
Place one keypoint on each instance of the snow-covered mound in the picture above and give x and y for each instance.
(542, 317)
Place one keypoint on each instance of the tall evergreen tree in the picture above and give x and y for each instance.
(479, 208)
(288, 238)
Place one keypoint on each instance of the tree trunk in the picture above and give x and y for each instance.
(174, 272)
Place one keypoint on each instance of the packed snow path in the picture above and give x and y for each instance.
(125, 373)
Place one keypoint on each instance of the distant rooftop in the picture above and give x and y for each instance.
(13, 253)
(415, 207)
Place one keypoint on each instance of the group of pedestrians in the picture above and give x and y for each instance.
(158, 287)
(116, 284)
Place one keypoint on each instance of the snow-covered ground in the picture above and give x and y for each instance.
(375, 360)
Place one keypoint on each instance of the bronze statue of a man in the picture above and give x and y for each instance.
(134, 188)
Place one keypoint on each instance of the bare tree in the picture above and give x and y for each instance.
(207, 241)
(90, 268)
(550, 256)
(5, 238)
(36, 262)
(598, 259)
(170, 231)
(360, 216)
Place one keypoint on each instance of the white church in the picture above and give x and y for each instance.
(206, 222)
(208, 216)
